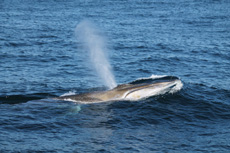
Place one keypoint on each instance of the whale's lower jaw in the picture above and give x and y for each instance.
(137, 90)
(170, 87)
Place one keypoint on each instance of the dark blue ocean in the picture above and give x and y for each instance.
(40, 58)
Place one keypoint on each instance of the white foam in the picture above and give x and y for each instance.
(69, 93)
(156, 76)
(177, 88)
(153, 76)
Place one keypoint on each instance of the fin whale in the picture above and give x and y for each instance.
(133, 91)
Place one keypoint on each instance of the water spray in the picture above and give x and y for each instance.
(95, 44)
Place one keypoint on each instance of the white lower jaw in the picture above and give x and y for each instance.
(148, 92)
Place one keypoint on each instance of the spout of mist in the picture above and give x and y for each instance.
(97, 49)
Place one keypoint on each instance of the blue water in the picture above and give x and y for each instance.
(41, 58)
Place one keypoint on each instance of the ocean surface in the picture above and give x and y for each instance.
(41, 58)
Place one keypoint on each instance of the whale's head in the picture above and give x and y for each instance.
(144, 88)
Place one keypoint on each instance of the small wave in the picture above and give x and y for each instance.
(69, 93)
(16, 99)
(16, 44)
(154, 78)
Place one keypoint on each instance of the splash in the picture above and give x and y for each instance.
(69, 93)
(94, 43)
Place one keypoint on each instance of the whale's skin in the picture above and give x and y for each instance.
(136, 90)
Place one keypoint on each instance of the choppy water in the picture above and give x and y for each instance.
(41, 58)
